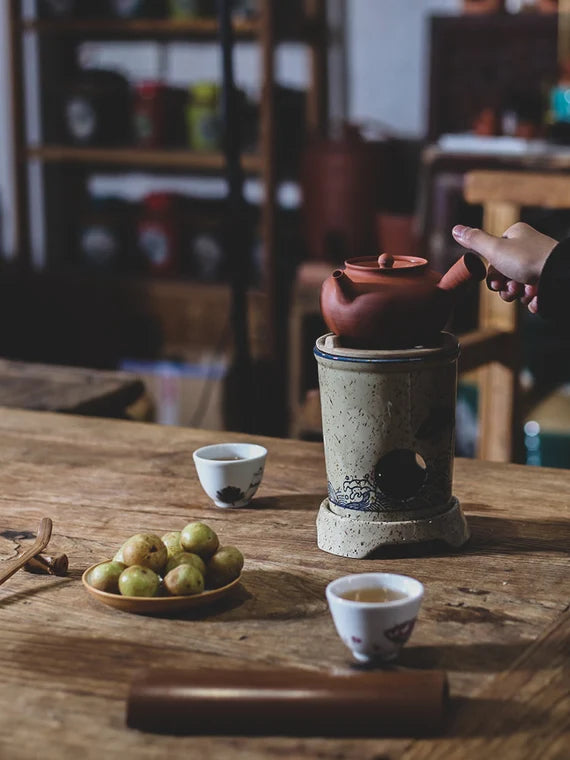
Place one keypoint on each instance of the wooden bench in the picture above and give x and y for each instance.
(94, 393)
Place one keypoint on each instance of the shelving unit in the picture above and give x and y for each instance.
(110, 28)
(58, 40)
(183, 160)
(188, 29)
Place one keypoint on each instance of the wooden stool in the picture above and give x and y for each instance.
(496, 345)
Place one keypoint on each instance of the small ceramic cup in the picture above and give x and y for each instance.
(230, 473)
(375, 630)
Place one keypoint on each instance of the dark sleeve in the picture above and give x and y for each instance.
(554, 287)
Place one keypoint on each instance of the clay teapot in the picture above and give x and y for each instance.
(394, 301)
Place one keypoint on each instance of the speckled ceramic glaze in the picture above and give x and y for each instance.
(388, 428)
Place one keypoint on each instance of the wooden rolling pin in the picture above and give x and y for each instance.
(288, 702)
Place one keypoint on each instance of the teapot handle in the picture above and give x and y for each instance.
(469, 267)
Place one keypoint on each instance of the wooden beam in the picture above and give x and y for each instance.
(269, 170)
(499, 384)
(563, 30)
(22, 242)
(139, 157)
(317, 95)
(481, 346)
(520, 188)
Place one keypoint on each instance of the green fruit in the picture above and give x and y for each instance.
(119, 556)
(184, 580)
(137, 580)
(105, 577)
(185, 558)
(224, 567)
(145, 549)
(198, 538)
(172, 542)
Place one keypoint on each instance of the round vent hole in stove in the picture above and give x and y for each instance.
(400, 473)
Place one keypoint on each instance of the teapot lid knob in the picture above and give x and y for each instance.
(385, 261)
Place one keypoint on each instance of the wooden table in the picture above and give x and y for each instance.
(495, 616)
(43, 387)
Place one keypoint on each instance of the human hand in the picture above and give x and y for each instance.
(515, 260)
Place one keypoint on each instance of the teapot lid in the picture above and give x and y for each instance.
(385, 263)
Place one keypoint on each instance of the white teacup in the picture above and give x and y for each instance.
(230, 473)
(374, 630)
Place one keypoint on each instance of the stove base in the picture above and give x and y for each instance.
(359, 538)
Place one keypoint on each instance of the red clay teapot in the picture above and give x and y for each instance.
(394, 301)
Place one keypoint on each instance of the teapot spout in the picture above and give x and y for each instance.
(469, 268)
(343, 285)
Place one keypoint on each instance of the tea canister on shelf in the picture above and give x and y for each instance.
(96, 109)
(149, 112)
(203, 117)
(158, 233)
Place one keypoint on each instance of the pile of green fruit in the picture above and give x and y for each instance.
(181, 563)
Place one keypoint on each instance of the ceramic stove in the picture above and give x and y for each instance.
(389, 436)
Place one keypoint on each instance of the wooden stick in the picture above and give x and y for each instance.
(11, 566)
(563, 30)
(288, 702)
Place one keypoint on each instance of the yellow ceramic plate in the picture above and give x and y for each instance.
(155, 605)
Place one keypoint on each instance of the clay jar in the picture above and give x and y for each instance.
(393, 301)
(339, 186)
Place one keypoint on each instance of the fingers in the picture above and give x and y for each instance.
(495, 280)
(530, 293)
(515, 260)
(511, 290)
(479, 241)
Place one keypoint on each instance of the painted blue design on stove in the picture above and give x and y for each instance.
(364, 495)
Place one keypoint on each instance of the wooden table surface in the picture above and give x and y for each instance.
(43, 387)
(495, 615)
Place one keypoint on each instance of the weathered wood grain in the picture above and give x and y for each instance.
(533, 697)
(66, 662)
(75, 390)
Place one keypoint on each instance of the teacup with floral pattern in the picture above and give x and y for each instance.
(230, 473)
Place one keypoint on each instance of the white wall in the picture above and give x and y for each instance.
(387, 59)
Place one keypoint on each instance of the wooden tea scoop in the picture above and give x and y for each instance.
(9, 567)
(288, 702)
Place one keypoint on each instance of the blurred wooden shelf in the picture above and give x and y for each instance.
(194, 28)
(63, 185)
(140, 157)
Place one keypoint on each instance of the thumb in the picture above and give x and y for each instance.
(479, 241)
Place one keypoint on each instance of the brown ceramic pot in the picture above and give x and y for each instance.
(394, 301)
(338, 179)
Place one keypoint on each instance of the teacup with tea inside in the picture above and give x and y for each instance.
(374, 613)
(377, 594)
(230, 473)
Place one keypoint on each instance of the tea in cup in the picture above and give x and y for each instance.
(374, 613)
(230, 473)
